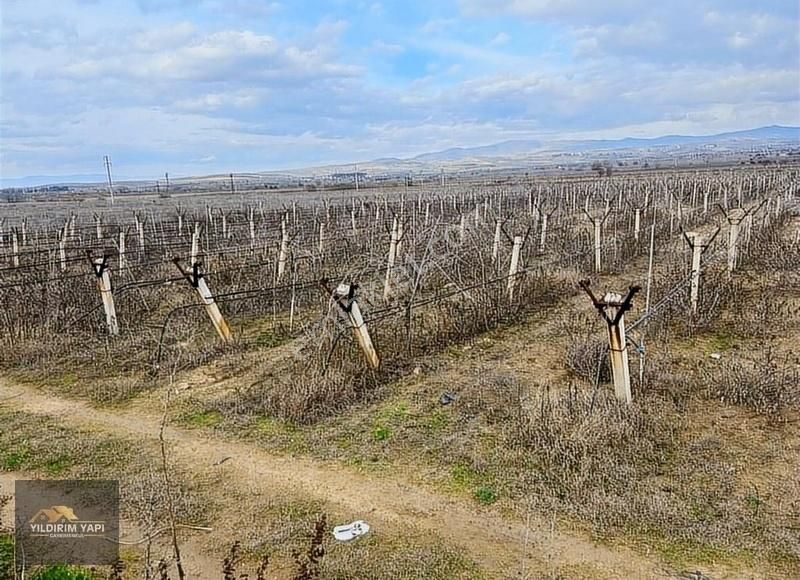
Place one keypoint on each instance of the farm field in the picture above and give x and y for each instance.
(257, 368)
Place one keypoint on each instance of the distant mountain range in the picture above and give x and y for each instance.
(484, 155)
(773, 133)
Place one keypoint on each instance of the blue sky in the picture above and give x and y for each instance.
(204, 86)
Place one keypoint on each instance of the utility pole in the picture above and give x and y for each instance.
(233, 186)
(613, 308)
(166, 177)
(107, 162)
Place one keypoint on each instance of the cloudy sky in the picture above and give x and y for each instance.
(200, 86)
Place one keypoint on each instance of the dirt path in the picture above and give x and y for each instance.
(496, 544)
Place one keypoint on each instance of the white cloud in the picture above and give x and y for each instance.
(500, 39)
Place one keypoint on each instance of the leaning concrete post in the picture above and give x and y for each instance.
(198, 282)
(344, 296)
(103, 273)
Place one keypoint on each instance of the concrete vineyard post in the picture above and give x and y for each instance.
(696, 243)
(195, 243)
(735, 218)
(122, 249)
(344, 295)
(387, 285)
(543, 233)
(14, 248)
(284, 251)
(496, 244)
(612, 308)
(198, 282)
(251, 220)
(62, 250)
(513, 269)
(597, 234)
(103, 274)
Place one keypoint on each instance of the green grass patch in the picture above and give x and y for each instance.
(485, 495)
(270, 339)
(205, 418)
(381, 433)
(463, 477)
(61, 572)
(58, 465)
(13, 460)
(436, 421)
(6, 556)
(720, 342)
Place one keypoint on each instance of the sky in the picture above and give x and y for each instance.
(204, 86)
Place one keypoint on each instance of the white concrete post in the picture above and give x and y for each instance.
(195, 243)
(140, 227)
(198, 282)
(696, 240)
(14, 248)
(344, 295)
(496, 244)
(251, 219)
(284, 251)
(387, 285)
(122, 250)
(735, 218)
(597, 235)
(400, 234)
(514, 267)
(103, 274)
(543, 234)
(618, 349)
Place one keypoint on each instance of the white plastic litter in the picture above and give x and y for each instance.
(716, 355)
(348, 532)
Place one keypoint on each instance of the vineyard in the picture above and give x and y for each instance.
(577, 311)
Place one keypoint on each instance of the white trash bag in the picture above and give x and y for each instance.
(348, 532)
